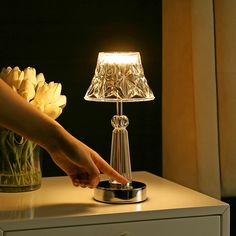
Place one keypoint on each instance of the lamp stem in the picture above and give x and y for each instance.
(119, 108)
(120, 154)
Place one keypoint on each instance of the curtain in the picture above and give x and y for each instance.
(191, 150)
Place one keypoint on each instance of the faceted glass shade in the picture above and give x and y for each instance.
(119, 76)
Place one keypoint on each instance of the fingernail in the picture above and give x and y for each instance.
(75, 183)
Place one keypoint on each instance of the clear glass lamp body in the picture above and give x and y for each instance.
(120, 153)
(119, 78)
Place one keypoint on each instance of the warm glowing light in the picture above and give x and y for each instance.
(119, 76)
(119, 57)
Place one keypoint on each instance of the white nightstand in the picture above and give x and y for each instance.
(58, 208)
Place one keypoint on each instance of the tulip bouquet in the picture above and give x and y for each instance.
(19, 157)
(44, 96)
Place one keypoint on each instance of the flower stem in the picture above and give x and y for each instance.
(19, 161)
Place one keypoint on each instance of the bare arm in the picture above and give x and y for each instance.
(79, 161)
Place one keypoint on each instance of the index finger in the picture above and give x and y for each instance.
(103, 166)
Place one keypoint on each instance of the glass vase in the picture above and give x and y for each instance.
(20, 169)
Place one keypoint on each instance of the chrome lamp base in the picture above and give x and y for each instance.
(109, 193)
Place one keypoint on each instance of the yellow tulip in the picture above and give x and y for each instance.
(30, 74)
(5, 72)
(26, 89)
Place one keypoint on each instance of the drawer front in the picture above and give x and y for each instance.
(193, 226)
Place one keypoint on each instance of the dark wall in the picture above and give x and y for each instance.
(63, 38)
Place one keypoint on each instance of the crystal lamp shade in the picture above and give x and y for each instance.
(119, 76)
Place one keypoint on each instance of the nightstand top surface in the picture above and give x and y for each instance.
(58, 201)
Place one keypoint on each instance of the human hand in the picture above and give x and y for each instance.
(82, 164)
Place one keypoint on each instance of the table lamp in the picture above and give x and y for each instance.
(119, 78)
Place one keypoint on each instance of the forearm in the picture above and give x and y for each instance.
(20, 116)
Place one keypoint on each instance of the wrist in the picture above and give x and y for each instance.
(52, 139)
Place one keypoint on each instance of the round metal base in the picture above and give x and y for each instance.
(105, 192)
